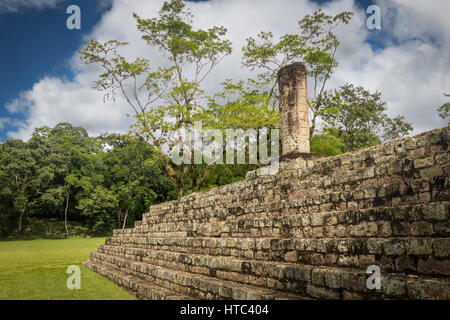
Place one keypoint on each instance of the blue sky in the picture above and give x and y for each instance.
(38, 47)
(39, 44)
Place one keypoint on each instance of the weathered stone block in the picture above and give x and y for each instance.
(425, 162)
(332, 279)
(435, 212)
(375, 246)
(394, 247)
(318, 276)
(441, 248)
(421, 229)
(353, 282)
(322, 293)
(427, 289)
(418, 247)
(432, 266)
(431, 172)
(290, 256)
(393, 288)
(364, 229)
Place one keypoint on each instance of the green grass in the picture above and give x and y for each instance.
(36, 269)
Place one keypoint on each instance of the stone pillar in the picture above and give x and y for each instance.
(294, 109)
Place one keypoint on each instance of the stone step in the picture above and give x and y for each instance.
(283, 207)
(416, 256)
(314, 282)
(388, 191)
(189, 284)
(410, 220)
(275, 248)
(414, 212)
(265, 274)
(134, 285)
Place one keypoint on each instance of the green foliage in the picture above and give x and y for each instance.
(90, 185)
(314, 45)
(172, 33)
(444, 110)
(240, 105)
(61, 173)
(20, 176)
(327, 142)
(358, 117)
(353, 118)
(99, 209)
(164, 99)
(49, 228)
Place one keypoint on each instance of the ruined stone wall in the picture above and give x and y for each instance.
(390, 175)
(311, 232)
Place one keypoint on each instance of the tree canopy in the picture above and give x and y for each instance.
(103, 182)
(358, 118)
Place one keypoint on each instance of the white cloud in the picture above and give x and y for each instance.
(8, 122)
(15, 5)
(52, 100)
(411, 75)
(3, 121)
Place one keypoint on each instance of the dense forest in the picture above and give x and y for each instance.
(95, 183)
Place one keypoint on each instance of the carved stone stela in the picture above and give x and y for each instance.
(294, 109)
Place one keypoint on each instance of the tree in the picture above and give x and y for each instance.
(61, 173)
(99, 208)
(72, 143)
(328, 142)
(59, 151)
(444, 110)
(133, 176)
(240, 105)
(358, 117)
(18, 166)
(315, 45)
(164, 99)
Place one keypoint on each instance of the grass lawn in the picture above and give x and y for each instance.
(36, 269)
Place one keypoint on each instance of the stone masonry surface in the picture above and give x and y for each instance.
(303, 233)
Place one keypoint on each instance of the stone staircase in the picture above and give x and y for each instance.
(308, 233)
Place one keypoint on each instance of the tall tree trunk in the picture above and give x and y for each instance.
(180, 186)
(65, 214)
(125, 219)
(313, 124)
(119, 215)
(19, 227)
